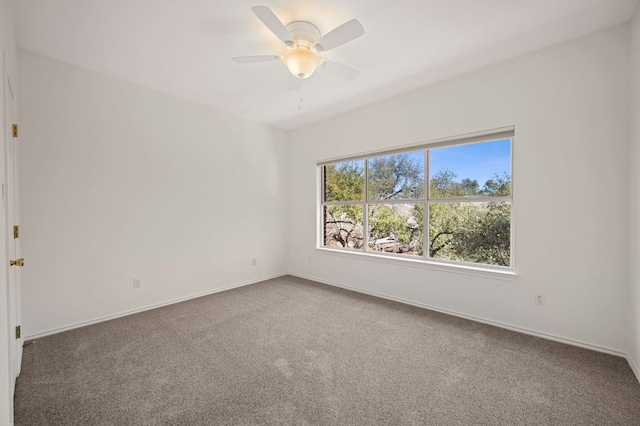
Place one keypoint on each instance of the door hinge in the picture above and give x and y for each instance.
(18, 332)
(15, 130)
(16, 231)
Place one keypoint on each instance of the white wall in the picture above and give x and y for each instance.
(8, 50)
(634, 257)
(569, 104)
(120, 182)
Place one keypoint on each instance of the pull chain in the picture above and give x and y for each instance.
(300, 95)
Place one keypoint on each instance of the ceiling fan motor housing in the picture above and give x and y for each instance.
(304, 33)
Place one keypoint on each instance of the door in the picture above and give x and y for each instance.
(13, 240)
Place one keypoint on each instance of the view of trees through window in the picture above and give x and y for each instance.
(378, 204)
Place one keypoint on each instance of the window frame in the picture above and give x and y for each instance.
(426, 200)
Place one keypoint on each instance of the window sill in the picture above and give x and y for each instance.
(478, 271)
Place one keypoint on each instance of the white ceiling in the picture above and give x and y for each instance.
(183, 47)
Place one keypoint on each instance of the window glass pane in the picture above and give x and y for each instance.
(344, 181)
(396, 228)
(478, 169)
(343, 226)
(470, 232)
(397, 177)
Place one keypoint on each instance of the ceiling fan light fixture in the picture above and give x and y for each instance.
(303, 43)
(301, 61)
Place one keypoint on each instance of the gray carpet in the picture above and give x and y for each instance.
(290, 351)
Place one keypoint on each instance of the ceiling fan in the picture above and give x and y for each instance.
(304, 44)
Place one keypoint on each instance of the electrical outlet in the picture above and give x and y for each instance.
(254, 261)
(540, 299)
(136, 283)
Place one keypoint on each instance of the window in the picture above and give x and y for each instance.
(447, 202)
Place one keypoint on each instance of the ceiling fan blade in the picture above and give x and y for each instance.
(273, 23)
(339, 36)
(293, 83)
(341, 71)
(251, 59)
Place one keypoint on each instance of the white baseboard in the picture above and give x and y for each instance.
(145, 308)
(546, 336)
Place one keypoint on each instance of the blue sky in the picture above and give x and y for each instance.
(477, 161)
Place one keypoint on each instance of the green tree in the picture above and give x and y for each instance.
(443, 185)
(469, 187)
(395, 177)
(477, 232)
(344, 181)
(343, 224)
(395, 227)
(498, 185)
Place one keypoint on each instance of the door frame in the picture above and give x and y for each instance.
(12, 218)
(7, 307)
